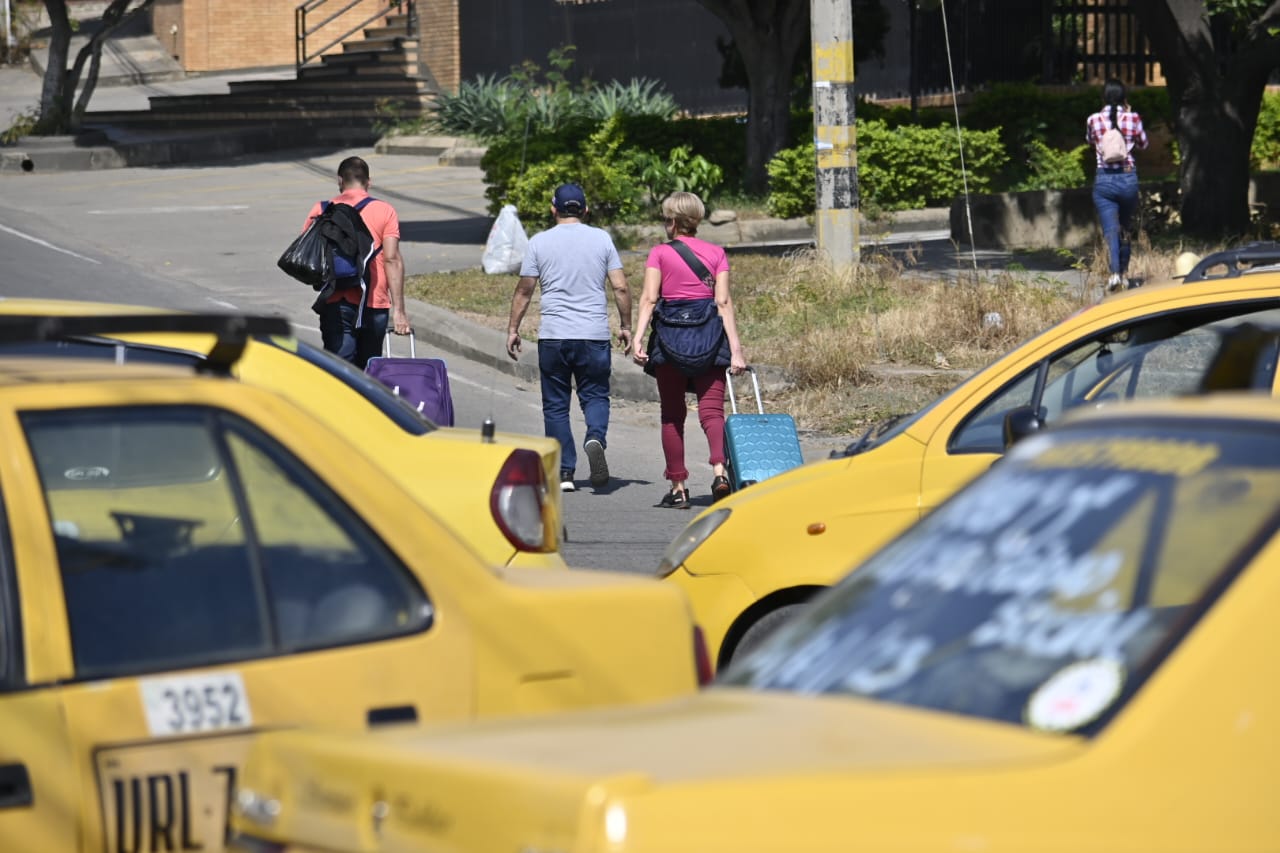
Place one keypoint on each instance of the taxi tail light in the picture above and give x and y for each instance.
(702, 658)
(519, 502)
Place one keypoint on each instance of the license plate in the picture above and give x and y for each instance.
(189, 704)
(169, 795)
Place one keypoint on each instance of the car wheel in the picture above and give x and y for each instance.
(762, 628)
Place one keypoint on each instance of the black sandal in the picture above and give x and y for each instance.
(720, 488)
(675, 499)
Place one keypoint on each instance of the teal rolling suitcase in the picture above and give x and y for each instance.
(758, 445)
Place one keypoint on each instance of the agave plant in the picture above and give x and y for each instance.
(483, 108)
(639, 97)
(489, 106)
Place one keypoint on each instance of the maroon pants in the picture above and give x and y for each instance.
(709, 387)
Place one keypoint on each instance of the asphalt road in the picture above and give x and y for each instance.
(209, 237)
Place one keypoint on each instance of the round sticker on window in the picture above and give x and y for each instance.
(1075, 695)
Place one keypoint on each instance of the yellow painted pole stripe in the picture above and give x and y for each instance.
(833, 61)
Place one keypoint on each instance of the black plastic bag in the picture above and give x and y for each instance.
(309, 258)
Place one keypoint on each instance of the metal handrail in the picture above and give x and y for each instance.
(301, 31)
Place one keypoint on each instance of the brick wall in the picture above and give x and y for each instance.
(220, 35)
(438, 45)
(166, 23)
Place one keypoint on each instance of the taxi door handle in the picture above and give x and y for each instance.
(15, 786)
(392, 714)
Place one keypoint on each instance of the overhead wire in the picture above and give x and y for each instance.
(964, 174)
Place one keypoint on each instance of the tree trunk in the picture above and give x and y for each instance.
(1214, 138)
(769, 35)
(55, 100)
(768, 106)
(60, 110)
(113, 18)
(1215, 103)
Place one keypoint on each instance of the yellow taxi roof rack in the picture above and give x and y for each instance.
(1235, 261)
(231, 331)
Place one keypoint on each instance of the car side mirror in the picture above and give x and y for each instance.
(1020, 423)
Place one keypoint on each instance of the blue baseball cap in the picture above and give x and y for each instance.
(570, 200)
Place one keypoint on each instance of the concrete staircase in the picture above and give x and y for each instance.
(335, 102)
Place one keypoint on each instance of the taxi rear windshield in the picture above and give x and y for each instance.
(1050, 588)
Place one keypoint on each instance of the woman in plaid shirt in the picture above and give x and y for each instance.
(1115, 189)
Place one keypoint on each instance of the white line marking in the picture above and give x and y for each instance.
(222, 304)
(462, 380)
(40, 242)
(909, 237)
(207, 208)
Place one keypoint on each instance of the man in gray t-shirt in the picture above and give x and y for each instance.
(571, 262)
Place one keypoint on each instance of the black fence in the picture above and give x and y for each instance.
(675, 42)
(995, 41)
(672, 41)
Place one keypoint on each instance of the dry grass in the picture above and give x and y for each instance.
(856, 348)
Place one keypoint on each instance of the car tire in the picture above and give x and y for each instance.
(762, 628)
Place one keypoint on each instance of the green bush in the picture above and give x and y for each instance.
(507, 157)
(1265, 153)
(792, 183)
(898, 168)
(719, 140)
(1025, 111)
(608, 174)
(662, 155)
(1053, 169)
(912, 166)
(23, 124)
(681, 171)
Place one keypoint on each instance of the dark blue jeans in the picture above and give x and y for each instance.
(1115, 194)
(586, 364)
(340, 336)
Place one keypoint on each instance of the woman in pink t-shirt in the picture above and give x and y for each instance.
(670, 277)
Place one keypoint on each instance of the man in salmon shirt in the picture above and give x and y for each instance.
(352, 330)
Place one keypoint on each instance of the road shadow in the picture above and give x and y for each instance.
(615, 484)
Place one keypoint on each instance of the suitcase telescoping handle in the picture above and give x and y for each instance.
(386, 344)
(755, 384)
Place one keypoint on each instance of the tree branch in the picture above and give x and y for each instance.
(114, 16)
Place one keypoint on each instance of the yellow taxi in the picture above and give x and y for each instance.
(749, 561)
(1073, 653)
(182, 565)
(499, 490)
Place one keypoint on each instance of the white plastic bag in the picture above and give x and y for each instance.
(504, 250)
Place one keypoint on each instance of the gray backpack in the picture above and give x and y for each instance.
(1112, 147)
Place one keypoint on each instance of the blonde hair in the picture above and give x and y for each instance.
(686, 209)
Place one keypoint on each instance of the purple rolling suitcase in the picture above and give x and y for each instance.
(758, 445)
(424, 382)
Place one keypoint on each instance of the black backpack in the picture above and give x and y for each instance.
(336, 249)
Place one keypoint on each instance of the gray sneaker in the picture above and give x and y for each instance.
(566, 480)
(599, 465)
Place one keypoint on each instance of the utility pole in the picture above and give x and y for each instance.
(833, 131)
(8, 34)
